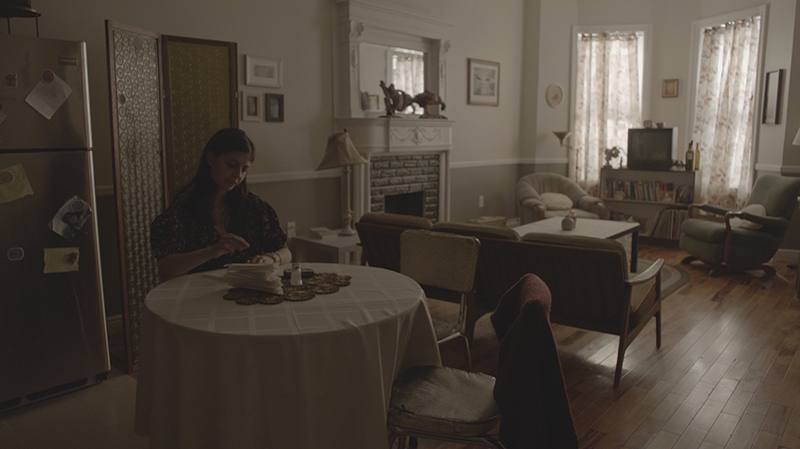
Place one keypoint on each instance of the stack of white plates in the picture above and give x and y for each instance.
(257, 276)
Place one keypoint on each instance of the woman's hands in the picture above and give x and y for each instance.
(228, 244)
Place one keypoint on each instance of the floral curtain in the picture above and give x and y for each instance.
(409, 72)
(724, 110)
(607, 101)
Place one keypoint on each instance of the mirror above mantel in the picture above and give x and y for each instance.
(368, 37)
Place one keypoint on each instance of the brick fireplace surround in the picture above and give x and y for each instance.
(405, 155)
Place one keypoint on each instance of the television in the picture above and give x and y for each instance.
(652, 148)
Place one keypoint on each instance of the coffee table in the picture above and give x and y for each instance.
(589, 227)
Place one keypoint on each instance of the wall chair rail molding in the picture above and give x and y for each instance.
(365, 35)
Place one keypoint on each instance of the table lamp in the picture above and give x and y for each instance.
(563, 135)
(342, 153)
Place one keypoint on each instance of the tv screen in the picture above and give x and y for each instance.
(652, 148)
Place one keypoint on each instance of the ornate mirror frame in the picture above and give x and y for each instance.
(357, 21)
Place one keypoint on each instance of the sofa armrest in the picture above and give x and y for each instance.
(648, 274)
(592, 204)
(531, 210)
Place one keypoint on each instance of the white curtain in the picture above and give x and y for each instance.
(607, 102)
(724, 110)
(409, 73)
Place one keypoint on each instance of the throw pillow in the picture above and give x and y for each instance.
(753, 209)
(556, 201)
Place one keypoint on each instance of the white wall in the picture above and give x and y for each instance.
(299, 33)
(671, 51)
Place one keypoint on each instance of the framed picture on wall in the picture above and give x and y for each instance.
(265, 72)
(252, 107)
(772, 98)
(483, 82)
(274, 107)
(669, 88)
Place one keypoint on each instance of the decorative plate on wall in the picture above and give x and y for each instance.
(554, 95)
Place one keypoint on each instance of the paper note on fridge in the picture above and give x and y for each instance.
(61, 260)
(47, 97)
(71, 217)
(14, 184)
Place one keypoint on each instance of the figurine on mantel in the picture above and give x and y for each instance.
(429, 98)
(395, 100)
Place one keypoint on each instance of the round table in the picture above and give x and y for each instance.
(308, 374)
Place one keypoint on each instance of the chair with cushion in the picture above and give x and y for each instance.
(545, 195)
(490, 267)
(442, 264)
(746, 239)
(528, 398)
(379, 234)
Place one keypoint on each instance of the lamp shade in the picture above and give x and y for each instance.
(562, 135)
(340, 152)
(797, 138)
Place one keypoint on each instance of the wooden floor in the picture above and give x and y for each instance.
(727, 374)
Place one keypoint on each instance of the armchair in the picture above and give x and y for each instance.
(533, 206)
(735, 245)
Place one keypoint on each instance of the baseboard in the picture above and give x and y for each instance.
(787, 256)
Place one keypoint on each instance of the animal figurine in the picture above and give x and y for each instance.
(396, 100)
(429, 98)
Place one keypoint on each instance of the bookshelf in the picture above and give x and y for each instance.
(658, 200)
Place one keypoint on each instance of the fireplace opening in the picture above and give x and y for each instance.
(406, 204)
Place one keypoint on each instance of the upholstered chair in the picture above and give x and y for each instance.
(491, 267)
(745, 239)
(528, 399)
(545, 195)
(443, 264)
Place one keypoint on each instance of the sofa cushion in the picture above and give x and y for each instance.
(556, 201)
(580, 242)
(399, 220)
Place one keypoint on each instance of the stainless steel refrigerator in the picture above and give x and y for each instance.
(52, 319)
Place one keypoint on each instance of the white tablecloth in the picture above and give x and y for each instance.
(312, 374)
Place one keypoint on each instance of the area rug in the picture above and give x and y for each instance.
(672, 277)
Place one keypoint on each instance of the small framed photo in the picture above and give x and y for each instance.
(274, 107)
(483, 82)
(669, 88)
(772, 98)
(252, 107)
(374, 104)
(667, 196)
(265, 72)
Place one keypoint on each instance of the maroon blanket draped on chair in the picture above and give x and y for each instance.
(530, 390)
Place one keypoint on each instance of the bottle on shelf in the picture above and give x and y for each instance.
(690, 157)
(697, 156)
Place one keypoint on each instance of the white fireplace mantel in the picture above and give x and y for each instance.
(399, 136)
(393, 135)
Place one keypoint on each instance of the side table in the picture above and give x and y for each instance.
(340, 249)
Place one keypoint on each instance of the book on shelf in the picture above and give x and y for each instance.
(647, 191)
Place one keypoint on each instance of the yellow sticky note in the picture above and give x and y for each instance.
(14, 184)
(61, 260)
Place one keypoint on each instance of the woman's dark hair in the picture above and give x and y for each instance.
(199, 192)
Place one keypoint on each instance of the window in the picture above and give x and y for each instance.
(408, 72)
(724, 113)
(610, 68)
